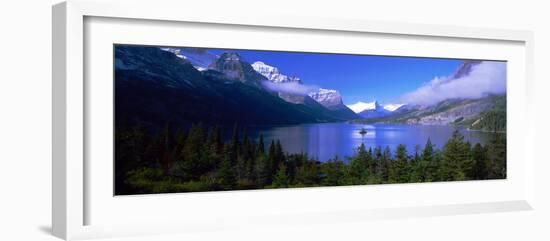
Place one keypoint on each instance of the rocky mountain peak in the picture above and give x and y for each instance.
(230, 57)
(465, 68)
(198, 57)
(328, 98)
(233, 67)
(272, 73)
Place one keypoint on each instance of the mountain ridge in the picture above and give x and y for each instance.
(154, 87)
(272, 73)
(233, 67)
(469, 113)
(328, 103)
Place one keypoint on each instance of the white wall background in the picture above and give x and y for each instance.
(25, 121)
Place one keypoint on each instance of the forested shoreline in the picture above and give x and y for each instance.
(198, 159)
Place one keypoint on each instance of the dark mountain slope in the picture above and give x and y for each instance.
(154, 87)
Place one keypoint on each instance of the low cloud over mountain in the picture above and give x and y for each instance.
(473, 79)
(294, 88)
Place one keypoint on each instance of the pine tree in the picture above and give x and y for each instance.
(251, 150)
(262, 166)
(455, 154)
(226, 173)
(386, 164)
(381, 170)
(357, 167)
(428, 152)
(131, 152)
(334, 172)
(281, 180)
(371, 163)
(496, 156)
(416, 153)
(416, 170)
(399, 172)
(307, 174)
(429, 165)
(262, 170)
(261, 147)
(235, 145)
(271, 158)
(211, 154)
(279, 156)
(293, 161)
(271, 153)
(468, 164)
(191, 164)
(479, 155)
(244, 156)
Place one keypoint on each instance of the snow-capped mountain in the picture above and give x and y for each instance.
(272, 73)
(233, 67)
(393, 107)
(374, 109)
(332, 100)
(377, 111)
(329, 101)
(280, 83)
(328, 98)
(362, 106)
(199, 58)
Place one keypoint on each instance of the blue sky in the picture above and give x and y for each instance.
(357, 77)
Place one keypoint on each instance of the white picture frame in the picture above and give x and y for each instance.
(73, 190)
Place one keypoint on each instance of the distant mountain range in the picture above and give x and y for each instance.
(375, 109)
(330, 99)
(272, 73)
(487, 113)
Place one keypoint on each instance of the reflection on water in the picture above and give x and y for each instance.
(327, 140)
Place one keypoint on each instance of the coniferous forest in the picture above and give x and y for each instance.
(197, 159)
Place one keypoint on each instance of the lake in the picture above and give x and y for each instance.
(325, 140)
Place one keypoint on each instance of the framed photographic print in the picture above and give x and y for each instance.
(206, 122)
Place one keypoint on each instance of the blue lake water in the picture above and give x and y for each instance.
(326, 140)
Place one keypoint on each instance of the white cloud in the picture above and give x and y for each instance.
(290, 87)
(487, 77)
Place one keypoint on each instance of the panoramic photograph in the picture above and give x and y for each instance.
(191, 119)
